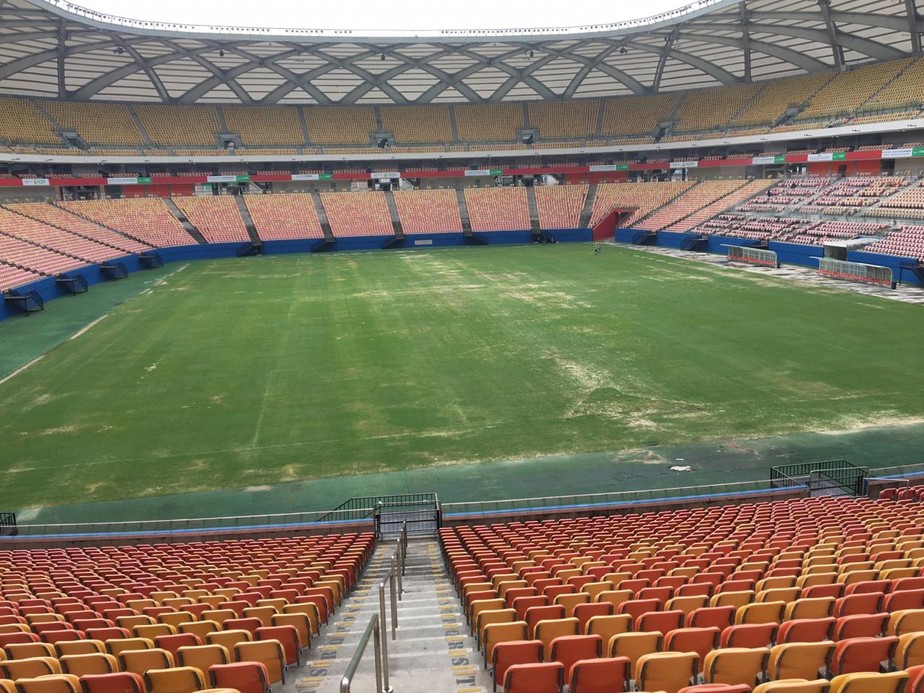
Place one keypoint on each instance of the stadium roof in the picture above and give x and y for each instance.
(57, 49)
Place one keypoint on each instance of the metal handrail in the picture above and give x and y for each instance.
(373, 629)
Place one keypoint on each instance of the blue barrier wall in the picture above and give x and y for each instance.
(440, 240)
(201, 252)
(716, 244)
(893, 262)
(670, 239)
(795, 254)
(287, 247)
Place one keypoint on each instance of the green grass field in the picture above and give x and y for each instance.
(246, 372)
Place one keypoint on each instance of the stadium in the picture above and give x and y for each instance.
(569, 357)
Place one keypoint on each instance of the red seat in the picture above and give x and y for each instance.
(172, 643)
(584, 612)
(860, 626)
(547, 677)
(288, 636)
(661, 621)
(806, 630)
(117, 682)
(246, 677)
(749, 635)
(708, 616)
(862, 654)
(506, 654)
(569, 649)
(608, 675)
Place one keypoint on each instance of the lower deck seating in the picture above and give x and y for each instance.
(428, 211)
(640, 199)
(908, 241)
(749, 589)
(12, 276)
(284, 216)
(216, 217)
(560, 206)
(56, 239)
(56, 216)
(498, 209)
(145, 219)
(702, 195)
(358, 214)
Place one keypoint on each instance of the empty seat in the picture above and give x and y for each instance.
(94, 663)
(506, 654)
(863, 654)
(117, 682)
(735, 665)
(667, 671)
(269, 653)
(607, 675)
(800, 660)
(174, 680)
(869, 683)
(54, 683)
(547, 677)
(245, 677)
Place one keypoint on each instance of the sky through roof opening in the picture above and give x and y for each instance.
(369, 15)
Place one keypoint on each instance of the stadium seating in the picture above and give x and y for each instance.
(644, 198)
(908, 241)
(560, 206)
(96, 123)
(709, 110)
(12, 276)
(23, 122)
(428, 211)
(636, 117)
(723, 203)
(179, 125)
(847, 90)
(145, 219)
(357, 214)
(261, 125)
(488, 123)
(702, 195)
(216, 217)
(56, 239)
(498, 209)
(564, 119)
(284, 216)
(776, 97)
(417, 124)
(339, 125)
(62, 219)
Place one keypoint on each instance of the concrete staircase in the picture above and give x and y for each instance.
(433, 650)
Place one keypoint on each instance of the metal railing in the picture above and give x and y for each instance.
(8, 524)
(375, 631)
(604, 499)
(196, 524)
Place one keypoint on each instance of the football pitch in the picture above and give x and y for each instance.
(242, 373)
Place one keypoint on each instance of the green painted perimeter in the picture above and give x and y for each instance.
(383, 372)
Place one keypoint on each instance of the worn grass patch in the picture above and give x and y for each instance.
(246, 372)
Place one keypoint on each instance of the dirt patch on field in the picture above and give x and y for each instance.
(875, 421)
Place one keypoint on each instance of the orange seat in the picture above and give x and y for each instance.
(547, 677)
(605, 675)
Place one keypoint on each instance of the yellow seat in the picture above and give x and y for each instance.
(29, 668)
(25, 650)
(310, 610)
(119, 645)
(53, 683)
(614, 597)
(809, 607)
(905, 621)
(200, 629)
(735, 599)
(735, 665)
(202, 656)
(491, 616)
(569, 601)
(633, 646)
(228, 638)
(867, 682)
(549, 629)
(139, 661)
(500, 632)
(174, 680)
(777, 594)
(263, 613)
(667, 671)
(76, 647)
(267, 652)
(608, 626)
(910, 650)
(129, 622)
(480, 605)
(152, 630)
(800, 660)
(300, 622)
(175, 618)
(793, 686)
(765, 612)
(94, 663)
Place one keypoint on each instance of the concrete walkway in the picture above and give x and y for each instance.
(433, 651)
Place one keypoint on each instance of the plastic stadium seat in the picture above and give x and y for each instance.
(905, 621)
(633, 646)
(7, 686)
(269, 653)
(667, 671)
(568, 649)
(749, 635)
(793, 686)
(29, 668)
(139, 661)
(493, 616)
(55, 683)
(289, 639)
(172, 643)
(30, 649)
(862, 654)
(116, 647)
(860, 626)
(246, 677)
(869, 683)
(661, 621)
(584, 612)
(800, 660)
(806, 630)
(95, 663)
(174, 680)
(118, 682)
(698, 640)
(608, 675)
(916, 679)
(501, 632)
(735, 665)
(910, 650)
(721, 617)
(547, 677)
(228, 638)
(506, 654)
(300, 622)
(608, 626)
(200, 629)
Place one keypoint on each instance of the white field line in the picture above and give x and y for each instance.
(22, 368)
